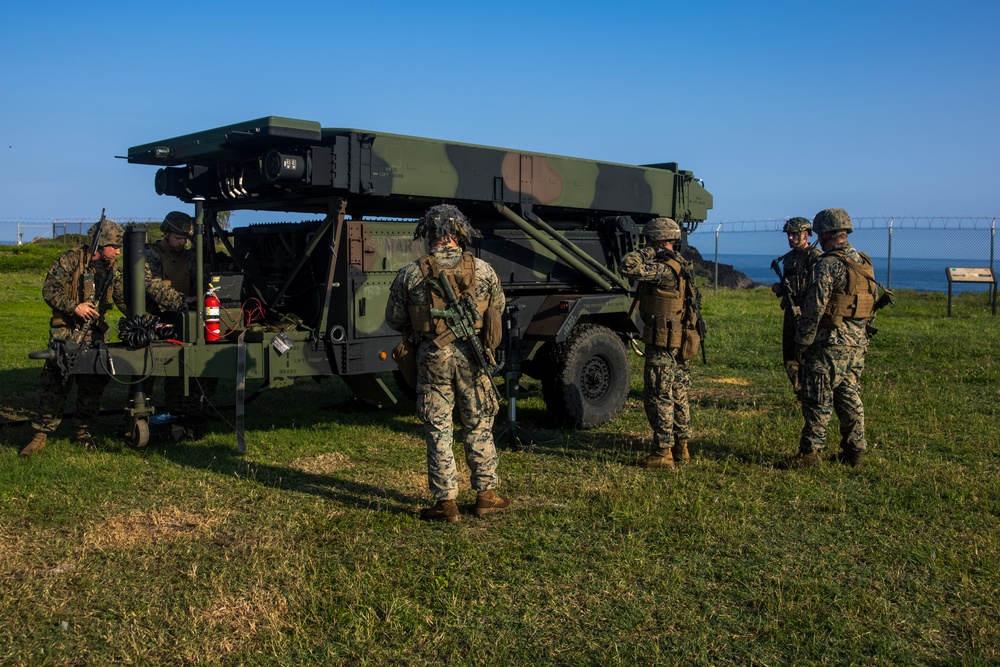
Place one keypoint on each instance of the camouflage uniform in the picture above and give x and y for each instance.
(796, 266)
(666, 379)
(449, 375)
(170, 275)
(63, 291)
(833, 360)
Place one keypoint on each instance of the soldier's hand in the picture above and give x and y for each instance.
(665, 253)
(776, 288)
(85, 310)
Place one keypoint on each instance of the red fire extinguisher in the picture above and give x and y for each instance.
(213, 330)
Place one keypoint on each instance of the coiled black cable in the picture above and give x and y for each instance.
(138, 331)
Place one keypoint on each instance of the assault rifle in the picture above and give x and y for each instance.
(694, 303)
(885, 299)
(786, 289)
(96, 240)
(461, 315)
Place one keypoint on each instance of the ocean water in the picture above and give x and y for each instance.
(925, 275)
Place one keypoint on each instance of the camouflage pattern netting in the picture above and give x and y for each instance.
(445, 220)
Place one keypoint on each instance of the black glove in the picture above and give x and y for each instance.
(663, 254)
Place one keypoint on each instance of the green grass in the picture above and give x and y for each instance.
(308, 550)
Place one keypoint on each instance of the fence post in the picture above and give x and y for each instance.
(715, 287)
(888, 260)
(993, 236)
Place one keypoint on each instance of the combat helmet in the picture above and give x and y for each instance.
(832, 220)
(796, 225)
(113, 234)
(445, 220)
(177, 222)
(662, 229)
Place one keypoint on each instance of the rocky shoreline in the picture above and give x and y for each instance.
(728, 276)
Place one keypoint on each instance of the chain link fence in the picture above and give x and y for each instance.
(908, 252)
(19, 231)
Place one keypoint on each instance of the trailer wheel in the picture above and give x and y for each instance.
(137, 433)
(404, 388)
(590, 377)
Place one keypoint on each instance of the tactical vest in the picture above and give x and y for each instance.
(797, 273)
(857, 301)
(83, 288)
(176, 268)
(662, 310)
(463, 281)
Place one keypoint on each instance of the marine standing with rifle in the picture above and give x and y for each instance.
(668, 305)
(793, 269)
(80, 288)
(450, 304)
(832, 339)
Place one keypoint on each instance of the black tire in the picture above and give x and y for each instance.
(403, 387)
(590, 377)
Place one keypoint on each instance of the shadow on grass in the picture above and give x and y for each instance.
(226, 461)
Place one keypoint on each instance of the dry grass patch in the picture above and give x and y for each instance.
(139, 528)
(236, 620)
(322, 464)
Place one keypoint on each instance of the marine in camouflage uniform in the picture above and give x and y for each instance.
(79, 289)
(832, 340)
(660, 271)
(171, 273)
(171, 267)
(796, 267)
(447, 373)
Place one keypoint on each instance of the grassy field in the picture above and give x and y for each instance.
(308, 550)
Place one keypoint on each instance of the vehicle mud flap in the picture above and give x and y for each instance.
(241, 388)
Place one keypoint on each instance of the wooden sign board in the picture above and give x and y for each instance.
(966, 275)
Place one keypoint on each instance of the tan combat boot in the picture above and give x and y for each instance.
(851, 457)
(36, 444)
(660, 458)
(488, 502)
(84, 438)
(680, 450)
(805, 460)
(442, 510)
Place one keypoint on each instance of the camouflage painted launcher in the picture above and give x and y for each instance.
(554, 229)
(295, 165)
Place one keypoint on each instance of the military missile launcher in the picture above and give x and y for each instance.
(307, 298)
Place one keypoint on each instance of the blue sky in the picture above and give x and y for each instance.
(783, 108)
